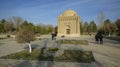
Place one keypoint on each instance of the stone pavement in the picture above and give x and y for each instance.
(106, 55)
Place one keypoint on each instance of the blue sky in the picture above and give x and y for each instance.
(47, 11)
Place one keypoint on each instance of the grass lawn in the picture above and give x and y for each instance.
(67, 56)
(24, 55)
(114, 38)
(82, 42)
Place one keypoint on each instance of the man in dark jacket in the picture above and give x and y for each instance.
(96, 38)
(99, 37)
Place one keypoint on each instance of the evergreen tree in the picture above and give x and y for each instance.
(93, 27)
(85, 27)
(2, 22)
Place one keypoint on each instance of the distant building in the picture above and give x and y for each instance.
(69, 24)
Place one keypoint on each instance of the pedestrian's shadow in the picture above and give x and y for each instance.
(45, 64)
(45, 61)
(24, 64)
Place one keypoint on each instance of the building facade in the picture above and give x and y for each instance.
(69, 24)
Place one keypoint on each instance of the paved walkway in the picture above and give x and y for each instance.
(106, 55)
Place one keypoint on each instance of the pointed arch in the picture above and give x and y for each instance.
(68, 30)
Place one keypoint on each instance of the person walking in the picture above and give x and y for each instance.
(96, 38)
(99, 37)
(52, 36)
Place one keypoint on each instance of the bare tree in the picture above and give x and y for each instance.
(106, 27)
(25, 35)
(101, 19)
(17, 21)
(113, 28)
(117, 22)
(8, 26)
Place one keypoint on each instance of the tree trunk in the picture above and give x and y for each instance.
(109, 34)
(30, 49)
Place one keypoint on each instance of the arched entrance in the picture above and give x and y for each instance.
(68, 31)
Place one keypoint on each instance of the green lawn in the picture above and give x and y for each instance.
(24, 55)
(81, 42)
(67, 56)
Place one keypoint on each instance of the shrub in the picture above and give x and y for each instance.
(25, 36)
(8, 36)
(53, 49)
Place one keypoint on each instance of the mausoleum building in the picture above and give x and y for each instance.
(69, 24)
